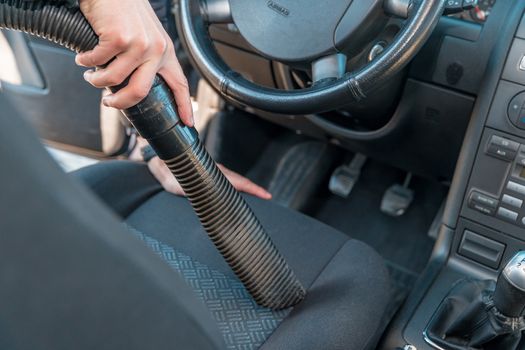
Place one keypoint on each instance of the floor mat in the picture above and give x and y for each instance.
(403, 241)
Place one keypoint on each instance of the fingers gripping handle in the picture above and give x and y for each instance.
(156, 119)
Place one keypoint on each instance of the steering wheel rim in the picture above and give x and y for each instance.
(351, 87)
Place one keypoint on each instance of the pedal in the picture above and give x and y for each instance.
(345, 177)
(397, 198)
(299, 172)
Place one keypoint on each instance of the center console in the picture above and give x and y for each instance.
(483, 226)
(492, 214)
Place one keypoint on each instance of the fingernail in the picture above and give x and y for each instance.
(87, 75)
(188, 121)
(107, 100)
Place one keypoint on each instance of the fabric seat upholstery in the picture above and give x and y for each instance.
(347, 282)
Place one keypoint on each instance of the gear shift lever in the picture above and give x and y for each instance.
(509, 296)
(483, 314)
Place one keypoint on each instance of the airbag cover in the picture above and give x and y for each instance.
(289, 30)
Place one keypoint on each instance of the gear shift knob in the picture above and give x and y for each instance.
(509, 296)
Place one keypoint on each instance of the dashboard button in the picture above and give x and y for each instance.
(516, 187)
(505, 143)
(484, 200)
(481, 249)
(483, 203)
(501, 152)
(512, 201)
(507, 214)
(482, 209)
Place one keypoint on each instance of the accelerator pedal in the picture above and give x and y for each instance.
(397, 198)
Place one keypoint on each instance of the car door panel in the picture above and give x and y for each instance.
(49, 92)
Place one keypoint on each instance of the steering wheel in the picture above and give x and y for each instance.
(318, 33)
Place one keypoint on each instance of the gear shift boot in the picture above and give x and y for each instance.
(467, 319)
(483, 314)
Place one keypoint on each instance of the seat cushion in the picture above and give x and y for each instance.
(347, 282)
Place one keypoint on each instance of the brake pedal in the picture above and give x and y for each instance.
(397, 198)
(345, 177)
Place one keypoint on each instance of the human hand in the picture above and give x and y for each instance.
(131, 34)
(161, 172)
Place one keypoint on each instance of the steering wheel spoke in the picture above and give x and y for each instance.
(216, 11)
(398, 8)
(329, 67)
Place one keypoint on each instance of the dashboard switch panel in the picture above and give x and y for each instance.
(508, 206)
(496, 195)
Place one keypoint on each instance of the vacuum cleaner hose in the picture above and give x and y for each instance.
(228, 220)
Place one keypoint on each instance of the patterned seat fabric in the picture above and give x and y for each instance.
(243, 324)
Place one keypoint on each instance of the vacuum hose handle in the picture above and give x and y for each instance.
(157, 120)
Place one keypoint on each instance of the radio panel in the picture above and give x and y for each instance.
(496, 192)
(508, 205)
